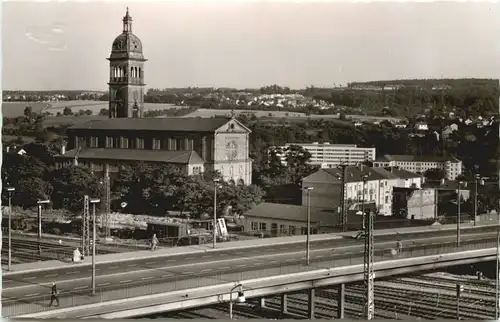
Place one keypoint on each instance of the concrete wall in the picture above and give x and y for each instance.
(282, 227)
(422, 204)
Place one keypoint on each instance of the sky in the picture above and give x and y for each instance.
(243, 44)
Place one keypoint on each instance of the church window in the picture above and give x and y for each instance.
(124, 143)
(179, 145)
(156, 144)
(94, 142)
(109, 142)
(171, 145)
(139, 143)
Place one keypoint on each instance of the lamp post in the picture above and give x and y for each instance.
(10, 191)
(308, 235)
(215, 211)
(40, 203)
(459, 202)
(239, 299)
(478, 181)
(93, 202)
(365, 178)
(460, 289)
(497, 284)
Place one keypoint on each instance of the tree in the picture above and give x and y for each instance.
(70, 184)
(40, 152)
(29, 190)
(67, 111)
(88, 112)
(103, 112)
(435, 174)
(28, 112)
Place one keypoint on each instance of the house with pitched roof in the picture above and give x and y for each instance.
(366, 187)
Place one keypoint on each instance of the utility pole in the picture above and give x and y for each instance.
(94, 240)
(343, 201)
(459, 294)
(365, 178)
(216, 181)
(369, 272)
(10, 191)
(497, 273)
(86, 226)
(308, 235)
(475, 199)
(106, 205)
(459, 201)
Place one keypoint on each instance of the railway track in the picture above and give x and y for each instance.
(391, 302)
(468, 289)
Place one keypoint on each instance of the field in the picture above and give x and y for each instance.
(202, 112)
(13, 109)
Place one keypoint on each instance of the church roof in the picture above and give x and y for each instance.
(176, 124)
(173, 157)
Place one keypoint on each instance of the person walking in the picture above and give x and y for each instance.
(154, 242)
(399, 247)
(54, 295)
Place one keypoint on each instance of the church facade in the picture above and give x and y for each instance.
(193, 145)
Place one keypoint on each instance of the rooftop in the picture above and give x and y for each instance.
(354, 174)
(175, 157)
(416, 158)
(178, 124)
(401, 173)
(292, 213)
(323, 217)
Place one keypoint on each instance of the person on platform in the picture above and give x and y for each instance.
(154, 242)
(54, 295)
(77, 256)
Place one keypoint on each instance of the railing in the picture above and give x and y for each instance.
(126, 80)
(180, 282)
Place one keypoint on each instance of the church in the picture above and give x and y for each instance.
(193, 145)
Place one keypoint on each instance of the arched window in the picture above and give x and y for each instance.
(241, 182)
(131, 71)
(231, 182)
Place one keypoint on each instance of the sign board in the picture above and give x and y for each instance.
(221, 227)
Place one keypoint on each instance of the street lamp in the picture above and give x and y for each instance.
(478, 180)
(459, 202)
(308, 236)
(93, 201)
(239, 299)
(40, 203)
(215, 211)
(10, 191)
(365, 178)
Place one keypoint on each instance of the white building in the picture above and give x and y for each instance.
(419, 164)
(377, 190)
(329, 155)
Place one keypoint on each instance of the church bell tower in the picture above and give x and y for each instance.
(126, 74)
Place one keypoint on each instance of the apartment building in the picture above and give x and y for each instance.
(328, 155)
(419, 164)
(376, 192)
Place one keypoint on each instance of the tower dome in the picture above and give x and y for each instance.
(127, 45)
